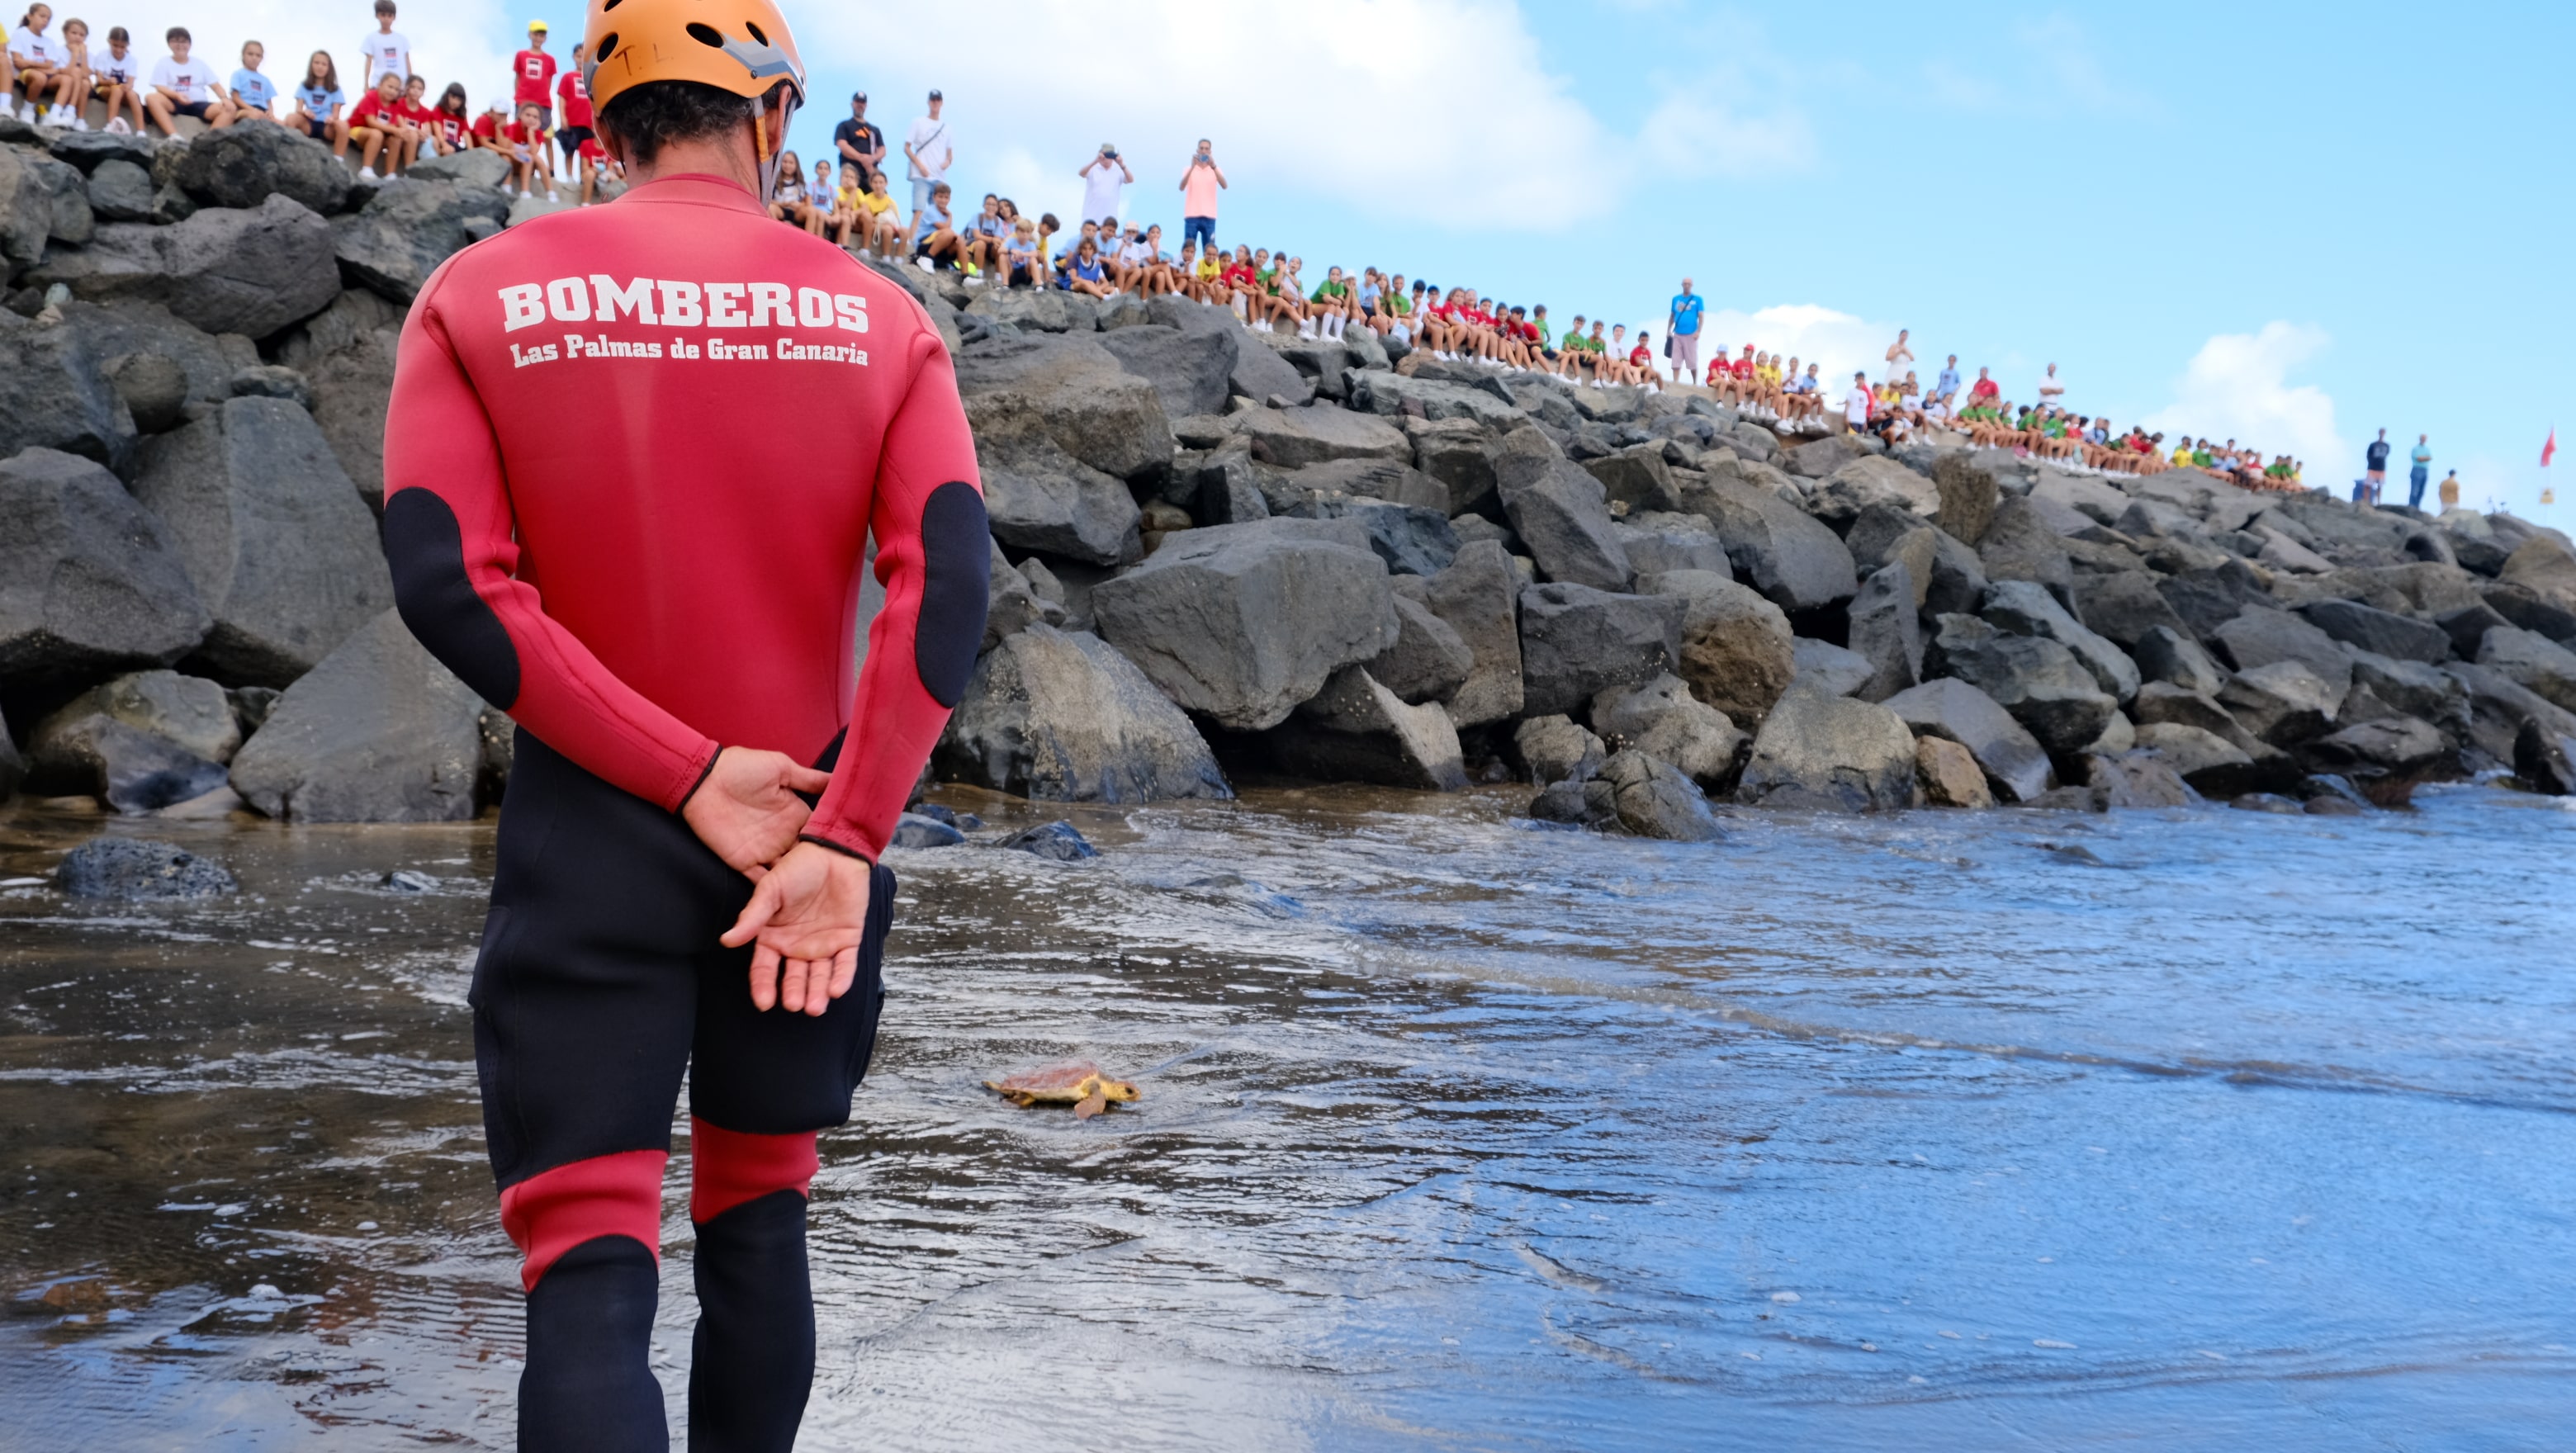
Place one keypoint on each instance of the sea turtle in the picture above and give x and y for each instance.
(1078, 1083)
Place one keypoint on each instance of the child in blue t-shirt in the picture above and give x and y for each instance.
(252, 92)
(318, 102)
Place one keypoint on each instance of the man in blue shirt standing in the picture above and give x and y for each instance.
(1683, 333)
(2421, 474)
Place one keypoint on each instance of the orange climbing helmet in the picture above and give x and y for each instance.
(741, 46)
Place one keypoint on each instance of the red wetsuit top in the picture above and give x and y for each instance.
(677, 574)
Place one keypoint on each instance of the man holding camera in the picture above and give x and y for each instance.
(1104, 184)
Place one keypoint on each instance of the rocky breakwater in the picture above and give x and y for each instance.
(1220, 554)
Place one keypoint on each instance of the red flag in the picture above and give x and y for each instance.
(2548, 449)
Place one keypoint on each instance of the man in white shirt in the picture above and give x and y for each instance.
(927, 154)
(1104, 185)
(382, 50)
(183, 86)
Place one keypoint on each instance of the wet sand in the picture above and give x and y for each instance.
(2199, 1129)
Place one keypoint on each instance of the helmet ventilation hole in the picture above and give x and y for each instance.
(705, 34)
(607, 46)
(756, 36)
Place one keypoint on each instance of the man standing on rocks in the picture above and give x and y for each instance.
(1199, 186)
(665, 902)
(2376, 473)
(858, 139)
(2421, 474)
(928, 154)
(1682, 330)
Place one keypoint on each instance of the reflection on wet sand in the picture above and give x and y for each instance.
(1455, 1133)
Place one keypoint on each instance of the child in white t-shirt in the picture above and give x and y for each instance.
(383, 50)
(184, 86)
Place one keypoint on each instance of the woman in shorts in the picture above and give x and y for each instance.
(318, 102)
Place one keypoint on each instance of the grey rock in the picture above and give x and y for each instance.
(154, 389)
(1657, 542)
(392, 245)
(1189, 370)
(1057, 842)
(112, 867)
(1562, 513)
(2546, 566)
(1888, 632)
(1652, 799)
(2546, 758)
(911, 831)
(1429, 661)
(2283, 703)
(2527, 608)
(1794, 561)
(133, 771)
(2212, 765)
(347, 354)
(2532, 661)
(2139, 779)
(2210, 598)
(2015, 765)
(1737, 650)
(1945, 775)
(1458, 453)
(1637, 477)
(378, 732)
(1380, 479)
(1355, 729)
(2020, 545)
(1410, 539)
(1577, 642)
(1819, 459)
(2039, 681)
(190, 712)
(2124, 606)
(2164, 653)
(2396, 636)
(1011, 605)
(273, 535)
(273, 381)
(1395, 395)
(1663, 720)
(2500, 707)
(1871, 480)
(86, 151)
(2262, 637)
(477, 168)
(226, 270)
(26, 210)
(242, 166)
(13, 767)
(1833, 670)
(1062, 717)
(2027, 609)
(1969, 495)
(1039, 497)
(1261, 375)
(2271, 802)
(53, 396)
(91, 582)
(1554, 749)
(1830, 753)
(1478, 596)
(2391, 747)
(1043, 310)
(1243, 622)
(120, 191)
(2163, 702)
(1071, 389)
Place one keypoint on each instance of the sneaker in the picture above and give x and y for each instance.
(926, 264)
(80, 123)
(116, 127)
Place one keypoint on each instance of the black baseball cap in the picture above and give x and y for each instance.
(859, 96)
(935, 96)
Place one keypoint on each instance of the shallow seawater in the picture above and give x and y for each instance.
(2201, 1129)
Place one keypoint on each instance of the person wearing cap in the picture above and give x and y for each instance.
(666, 907)
(533, 73)
(857, 139)
(1105, 179)
(927, 154)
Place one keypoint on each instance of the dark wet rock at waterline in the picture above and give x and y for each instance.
(135, 868)
(1057, 842)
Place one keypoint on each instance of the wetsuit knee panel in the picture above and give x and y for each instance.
(554, 1211)
(730, 1167)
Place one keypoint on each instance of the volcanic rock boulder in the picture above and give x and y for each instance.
(1637, 477)
(226, 270)
(1657, 542)
(1429, 661)
(2020, 545)
(1654, 799)
(2171, 655)
(378, 732)
(1243, 622)
(1561, 512)
(476, 168)
(1830, 753)
(1316, 433)
(1553, 749)
(2027, 609)
(242, 166)
(2209, 762)
(2015, 765)
(1831, 669)
(1945, 775)
(54, 394)
(1737, 650)
(2124, 605)
(1871, 480)
(2534, 661)
(1577, 642)
(1969, 496)
(1188, 369)
(1886, 628)
(2544, 566)
(2399, 637)
(1062, 717)
(2037, 680)
(1794, 561)
(1038, 497)
(1411, 540)
(1663, 720)
(91, 582)
(2391, 747)
(1072, 390)
(2264, 637)
(1479, 597)
(1355, 729)
(274, 537)
(392, 245)
(112, 867)
(140, 725)
(2283, 703)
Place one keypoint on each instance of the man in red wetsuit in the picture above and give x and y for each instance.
(586, 527)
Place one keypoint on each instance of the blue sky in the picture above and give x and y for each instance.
(2291, 223)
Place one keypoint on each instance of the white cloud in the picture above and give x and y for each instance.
(1693, 136)
(2238, 386)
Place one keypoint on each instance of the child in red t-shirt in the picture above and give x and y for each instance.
(534, 70)
(596, 166)
(377, 124)
(529, 163)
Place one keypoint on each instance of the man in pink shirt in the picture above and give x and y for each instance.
(1199, 186)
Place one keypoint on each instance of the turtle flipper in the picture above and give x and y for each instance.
(1092, 1104)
